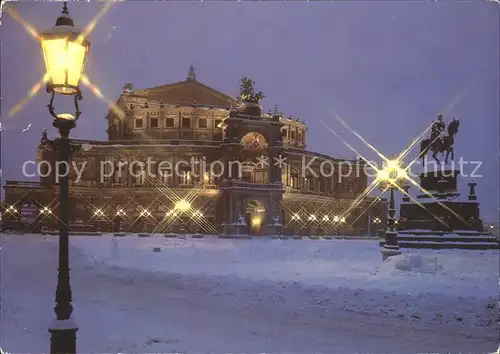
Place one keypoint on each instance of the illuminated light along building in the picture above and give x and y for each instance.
(214, 170)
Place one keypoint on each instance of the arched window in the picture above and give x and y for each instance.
(185, 175)
(165, 172)
(138, 173)
(285, 175)
(294, 179)
(254, 141)
(309, 182)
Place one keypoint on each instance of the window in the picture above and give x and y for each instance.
(217, 122)
(294, 181)
(202, 123)
(284, 133)
(153, 122)
(138, 174)
(186, 123)
(292, 134)
(139, 123)
(118, 172)
(299, 137)
(169, 122)
(186, 177)
(165, 173)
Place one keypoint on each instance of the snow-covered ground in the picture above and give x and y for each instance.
(261, 295)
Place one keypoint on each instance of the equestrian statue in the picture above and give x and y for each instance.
(439, 142)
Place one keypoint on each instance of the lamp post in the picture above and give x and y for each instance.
(100, 217)
(120, 214)
(371, 221)
(64, 50)
(391, 176)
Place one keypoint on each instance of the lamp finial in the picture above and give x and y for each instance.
(65, 8)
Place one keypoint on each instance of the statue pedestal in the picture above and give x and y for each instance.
(444, 209)
(439, 182)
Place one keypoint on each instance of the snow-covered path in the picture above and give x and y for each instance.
(133, 310)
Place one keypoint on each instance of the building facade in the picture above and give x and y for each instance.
(186, 158)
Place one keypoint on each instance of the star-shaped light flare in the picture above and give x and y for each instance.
(382, 172)
(33, 32)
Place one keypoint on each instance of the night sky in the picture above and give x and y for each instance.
(387, 68)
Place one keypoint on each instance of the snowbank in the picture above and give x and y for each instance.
(412, 263)
(330, 263)
(215, 295)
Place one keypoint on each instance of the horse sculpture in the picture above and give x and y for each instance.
(440, 145)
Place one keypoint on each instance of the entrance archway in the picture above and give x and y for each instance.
(255, 216)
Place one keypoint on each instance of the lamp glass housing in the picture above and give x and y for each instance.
(64, 52)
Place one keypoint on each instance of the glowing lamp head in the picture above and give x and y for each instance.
(182, 205)
(66, 116)
(64, 50)
(392, 173)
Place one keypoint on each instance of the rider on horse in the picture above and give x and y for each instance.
(437, 130)
(439, 141)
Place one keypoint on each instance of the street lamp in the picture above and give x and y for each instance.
(64, 50)
(100, 218)
(120, 214)
(391, 176)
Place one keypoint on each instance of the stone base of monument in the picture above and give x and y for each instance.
(471, 240)
(442, 218)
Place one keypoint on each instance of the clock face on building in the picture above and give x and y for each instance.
(254, 141)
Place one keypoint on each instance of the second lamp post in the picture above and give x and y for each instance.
(391, 176)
